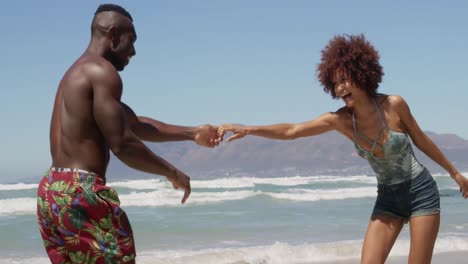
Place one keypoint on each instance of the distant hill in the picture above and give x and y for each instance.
(327, 154)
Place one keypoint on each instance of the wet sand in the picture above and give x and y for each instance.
(442, 258)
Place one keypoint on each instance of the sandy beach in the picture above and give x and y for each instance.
(442, 258)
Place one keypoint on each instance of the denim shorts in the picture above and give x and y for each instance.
(416, 197)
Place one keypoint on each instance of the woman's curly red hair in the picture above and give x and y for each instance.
(354, 57)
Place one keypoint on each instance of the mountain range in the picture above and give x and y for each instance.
(326, 154)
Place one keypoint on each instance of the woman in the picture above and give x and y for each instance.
(381, 127)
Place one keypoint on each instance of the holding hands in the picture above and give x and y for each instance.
(208, 136)
(238, 131)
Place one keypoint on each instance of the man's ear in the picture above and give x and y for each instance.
(114, 35)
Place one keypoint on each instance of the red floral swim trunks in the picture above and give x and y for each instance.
(80, 219)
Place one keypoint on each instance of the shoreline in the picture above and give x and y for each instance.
(455, 257)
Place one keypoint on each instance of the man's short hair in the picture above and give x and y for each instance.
(114, 8)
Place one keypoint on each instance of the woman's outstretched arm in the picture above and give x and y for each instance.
(285, 131)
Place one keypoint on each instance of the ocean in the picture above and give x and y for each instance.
(297, 219)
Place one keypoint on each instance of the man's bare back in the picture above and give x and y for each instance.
(75, 139)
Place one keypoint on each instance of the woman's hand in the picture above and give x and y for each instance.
(238, 131)
(463, 183)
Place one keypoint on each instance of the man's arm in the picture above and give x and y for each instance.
(112, 122)
(149, 129)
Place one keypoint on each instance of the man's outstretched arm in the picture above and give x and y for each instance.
(112, 122)
(149, 129)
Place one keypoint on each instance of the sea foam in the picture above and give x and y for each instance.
(277, 253)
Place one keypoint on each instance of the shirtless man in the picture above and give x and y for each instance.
(79, 216)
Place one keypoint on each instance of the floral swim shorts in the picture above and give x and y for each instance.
(80, 219)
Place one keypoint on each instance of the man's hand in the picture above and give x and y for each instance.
(208, 136)
(181, 180)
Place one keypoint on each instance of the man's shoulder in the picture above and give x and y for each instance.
(92, 71)
(94, 65)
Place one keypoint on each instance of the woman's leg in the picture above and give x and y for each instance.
(423, 231)
(381, 234)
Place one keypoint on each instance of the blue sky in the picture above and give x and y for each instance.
(247, 61)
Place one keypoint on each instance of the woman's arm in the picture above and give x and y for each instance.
(425, 144)
(285, 131)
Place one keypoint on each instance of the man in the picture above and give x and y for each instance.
(79, 216)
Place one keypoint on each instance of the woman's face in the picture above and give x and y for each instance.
(347, 90)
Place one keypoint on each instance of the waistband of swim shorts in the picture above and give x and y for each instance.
(71, 170)
(63, 174)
